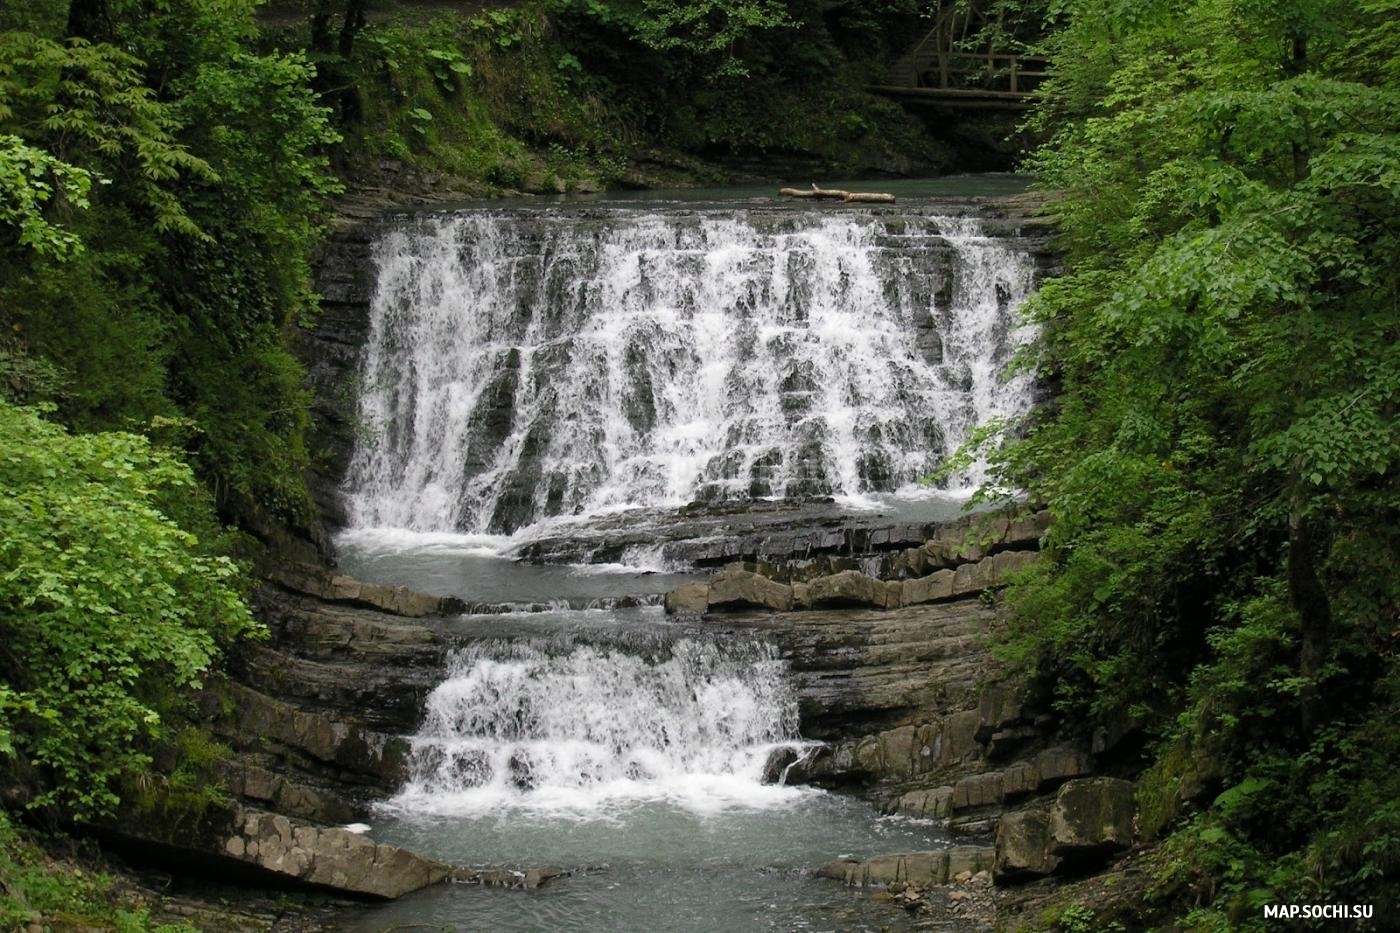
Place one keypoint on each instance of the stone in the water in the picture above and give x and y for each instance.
(736, 588)
(688, 597)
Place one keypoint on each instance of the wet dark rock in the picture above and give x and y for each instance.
(344, 277)
(520, 879)
(778, 763)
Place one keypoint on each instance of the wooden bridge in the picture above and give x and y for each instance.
(963, 62)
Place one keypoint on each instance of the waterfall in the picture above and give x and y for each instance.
(532, 363)
(552, 725)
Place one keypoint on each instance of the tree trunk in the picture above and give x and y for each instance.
(1309, 599)
(354, 21)
(836, 194)
(321, 28)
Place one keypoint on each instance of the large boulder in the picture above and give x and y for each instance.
(1023, 846)
(736, 588)
(1092, 817)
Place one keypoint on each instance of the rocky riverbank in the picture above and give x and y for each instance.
(894, 674)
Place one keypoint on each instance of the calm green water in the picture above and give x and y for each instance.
(948, 186)
(658, 866)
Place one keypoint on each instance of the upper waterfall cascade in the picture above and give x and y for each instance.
(532, 363)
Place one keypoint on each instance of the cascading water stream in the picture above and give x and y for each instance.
(531, 372)
(550, 725)
(527, 364)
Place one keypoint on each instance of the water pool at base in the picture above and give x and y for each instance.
(658, 866)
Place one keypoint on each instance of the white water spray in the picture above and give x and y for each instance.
(573, 729)
(525, 364)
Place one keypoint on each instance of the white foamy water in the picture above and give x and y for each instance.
(527, 364)
(576, 730)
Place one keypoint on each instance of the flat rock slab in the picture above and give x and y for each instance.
(331, 858)
(262, 847)
(938, 866)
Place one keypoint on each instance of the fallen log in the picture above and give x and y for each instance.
(836, 194)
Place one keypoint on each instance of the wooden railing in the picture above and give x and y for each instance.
(941, 68)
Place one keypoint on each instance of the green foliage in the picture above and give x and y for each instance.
(1222, 462)
(711, 28)
(88, 106)
(1079, 918)
(195, 248)
(106, 606)
(30, 179)
(35, 887)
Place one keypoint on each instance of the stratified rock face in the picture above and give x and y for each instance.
(935, 803)
(987, 789)
(344, 277)
(330, 858)
(316, 714)
(738, 587)
(861, 671)
(1092, 817)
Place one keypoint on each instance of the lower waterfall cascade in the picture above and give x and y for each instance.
(560, 725)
